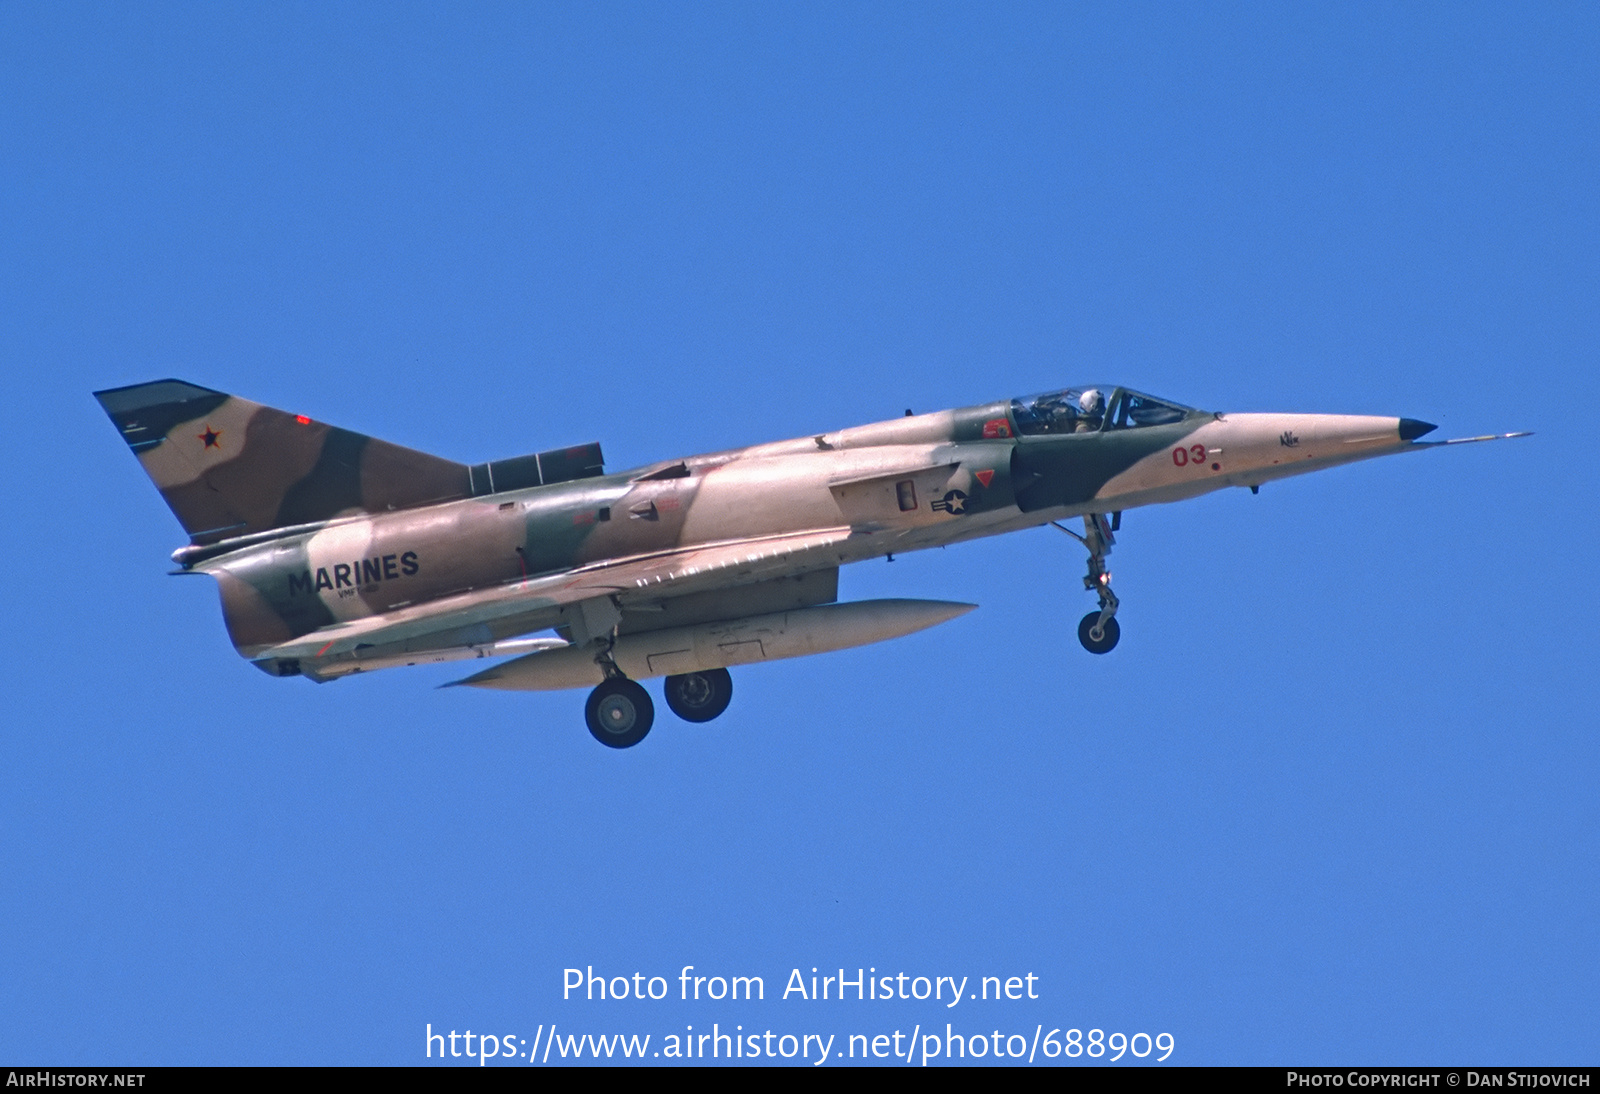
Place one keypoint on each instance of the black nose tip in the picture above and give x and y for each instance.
(1411, 429)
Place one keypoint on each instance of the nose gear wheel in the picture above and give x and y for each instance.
(1110, 632)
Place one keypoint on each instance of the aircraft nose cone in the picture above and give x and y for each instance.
(1411, 429)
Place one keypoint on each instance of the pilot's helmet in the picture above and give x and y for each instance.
(1092, 402)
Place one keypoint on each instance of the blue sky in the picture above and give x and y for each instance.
(1332, 800)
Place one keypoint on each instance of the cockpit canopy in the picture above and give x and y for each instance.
(1092, 409)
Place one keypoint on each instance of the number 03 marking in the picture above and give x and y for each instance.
(1195, 453)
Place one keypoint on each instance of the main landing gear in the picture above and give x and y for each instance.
(619, 712)
(1098, 631)
(700, 696)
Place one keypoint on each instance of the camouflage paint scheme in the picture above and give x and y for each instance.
(337, 552)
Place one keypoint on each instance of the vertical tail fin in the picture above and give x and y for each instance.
(229, 467)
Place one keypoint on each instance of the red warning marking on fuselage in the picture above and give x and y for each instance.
(996, 427)
(985, 477)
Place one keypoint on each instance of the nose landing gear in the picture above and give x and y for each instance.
(1098, 631)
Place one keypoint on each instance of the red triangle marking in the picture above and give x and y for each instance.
(985, 477)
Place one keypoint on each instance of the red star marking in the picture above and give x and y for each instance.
(212, 437)
(985, 477)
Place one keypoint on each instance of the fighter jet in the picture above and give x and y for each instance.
(338, 553)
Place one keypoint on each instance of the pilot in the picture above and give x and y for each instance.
(1093, 405)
